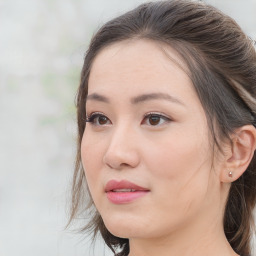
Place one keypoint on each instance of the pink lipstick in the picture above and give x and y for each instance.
(121, 192)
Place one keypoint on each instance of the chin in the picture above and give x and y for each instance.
(134, 227)
(124, 227)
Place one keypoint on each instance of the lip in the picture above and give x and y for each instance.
(122, 197)
(123, 184)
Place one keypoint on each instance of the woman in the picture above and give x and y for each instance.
(166, 113)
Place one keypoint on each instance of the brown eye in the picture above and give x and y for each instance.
(102, 120)
(98, 119)
(154, 120)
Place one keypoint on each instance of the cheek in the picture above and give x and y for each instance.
(180, 167)
(91, 154)
(92, 148)
(177, 154)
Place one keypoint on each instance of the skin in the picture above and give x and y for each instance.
(182, 214)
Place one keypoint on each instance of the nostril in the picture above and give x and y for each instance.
(119, 159)
(122, 151)
(116, 165)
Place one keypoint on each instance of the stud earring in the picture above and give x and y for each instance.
(230, 174)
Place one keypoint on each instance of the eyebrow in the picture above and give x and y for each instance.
(137, 99)
(97, 97)
(155, 96)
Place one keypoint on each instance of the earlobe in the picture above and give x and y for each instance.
(241, 151)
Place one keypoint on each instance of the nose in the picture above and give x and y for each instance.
(122, 151)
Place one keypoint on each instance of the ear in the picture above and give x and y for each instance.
(239, 153)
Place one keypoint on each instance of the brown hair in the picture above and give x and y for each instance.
(222, 64)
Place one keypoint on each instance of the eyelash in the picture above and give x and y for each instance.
(91, 118)
(159, 115)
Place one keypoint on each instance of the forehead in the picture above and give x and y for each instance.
(138, 65)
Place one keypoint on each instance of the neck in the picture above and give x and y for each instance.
(196, 240)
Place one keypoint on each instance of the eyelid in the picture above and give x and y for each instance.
(164, 117)
(158, 114)
(89, 116)
(92, 116)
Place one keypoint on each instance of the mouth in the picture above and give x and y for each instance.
(121, 192)
(123, 186)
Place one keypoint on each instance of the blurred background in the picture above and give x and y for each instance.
(42, 45)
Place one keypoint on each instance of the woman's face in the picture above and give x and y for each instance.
(145, 149)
